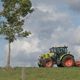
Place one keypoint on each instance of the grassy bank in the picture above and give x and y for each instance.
(41, 74)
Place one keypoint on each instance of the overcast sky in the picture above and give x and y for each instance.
(53, 23)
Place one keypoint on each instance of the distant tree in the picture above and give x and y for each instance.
(11, 27)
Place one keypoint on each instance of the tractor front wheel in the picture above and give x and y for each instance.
(49, 63)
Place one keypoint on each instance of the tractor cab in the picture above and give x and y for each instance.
(59, 50)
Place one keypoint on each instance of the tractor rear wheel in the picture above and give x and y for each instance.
(68, 61)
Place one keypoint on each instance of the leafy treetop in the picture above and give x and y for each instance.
(14, 12)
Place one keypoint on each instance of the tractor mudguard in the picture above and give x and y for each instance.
(65, 55)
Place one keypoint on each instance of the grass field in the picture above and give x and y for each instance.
(41, 74)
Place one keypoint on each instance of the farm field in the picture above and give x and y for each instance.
(41, 74)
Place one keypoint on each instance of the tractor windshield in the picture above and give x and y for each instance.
(59, 50)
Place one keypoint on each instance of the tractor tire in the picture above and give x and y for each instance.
(68, 61)
(49, 63)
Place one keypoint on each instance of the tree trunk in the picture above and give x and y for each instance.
(8, 58)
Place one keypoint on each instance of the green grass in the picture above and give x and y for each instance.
(41, 74)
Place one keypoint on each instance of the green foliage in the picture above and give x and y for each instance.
(14, 12)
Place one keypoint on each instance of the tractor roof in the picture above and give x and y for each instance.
(60, 47)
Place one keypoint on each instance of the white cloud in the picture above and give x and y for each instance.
(72, 1)
(77, 52)
(28, 46)
(70, 35)
(51, 13)
(74, 4)
(46, 8)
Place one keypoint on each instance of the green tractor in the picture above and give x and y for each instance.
(57, 55)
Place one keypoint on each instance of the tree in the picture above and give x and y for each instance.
(11, 27)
